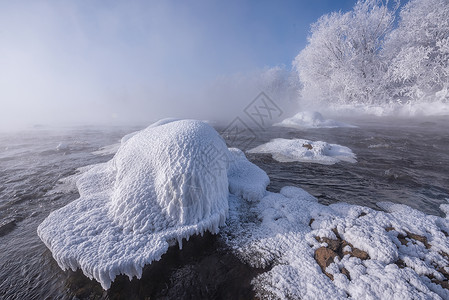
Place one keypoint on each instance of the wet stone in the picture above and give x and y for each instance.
(7, 226)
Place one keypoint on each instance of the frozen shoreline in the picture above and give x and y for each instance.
(277, 230)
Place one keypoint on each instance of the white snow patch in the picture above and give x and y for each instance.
(285, 150)
(165, 183)
(275, 232)
(309, 119)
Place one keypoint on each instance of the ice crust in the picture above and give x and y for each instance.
(279, 234)
(288, 150)
(310, 119)
(165, 183)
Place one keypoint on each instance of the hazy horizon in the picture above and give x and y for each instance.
(116, 62)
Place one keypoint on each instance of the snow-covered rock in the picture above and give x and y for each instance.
(399, 253)
(309, 119)
(165, 183)
(285, 150)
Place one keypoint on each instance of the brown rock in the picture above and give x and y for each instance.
(418, 237)
(400, 263)
(444, 254)
(324, 257)
(360, 254)
(444, 283)
(308, 146)
(311, 221)
(331, 244)
(345, 272)
(343, 245)
(335, 231)
(402, 239)
(389, 229)
(444, 272)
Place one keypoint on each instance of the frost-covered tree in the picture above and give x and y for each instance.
(341, 62)
(418, 52)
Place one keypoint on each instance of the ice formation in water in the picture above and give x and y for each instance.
(313, 251)
(285, 150)
(176, 179)
(308, 119)
(165, 183)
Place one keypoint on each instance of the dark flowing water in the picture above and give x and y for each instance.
(399, 161)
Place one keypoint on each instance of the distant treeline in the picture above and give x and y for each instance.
(379, 52)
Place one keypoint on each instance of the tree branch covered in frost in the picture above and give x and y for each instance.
(418, 51)
(362, 57)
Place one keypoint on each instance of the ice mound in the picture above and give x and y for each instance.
(309, 119)
(285, 150)
(245, 178)
(113, 148)
(165, 183)
(313, 251)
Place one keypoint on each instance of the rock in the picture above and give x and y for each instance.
(345, 272)
(402, 239)
(444, 254)
(360, 254)
(308, 146)
(400, 263)
(324, 257)
(7, 226)
(343, 245)
(420, 238)
(311, 221)
(334, 245)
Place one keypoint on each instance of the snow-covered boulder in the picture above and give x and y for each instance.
(165, 183)
(310, 119)
(313, 251)
(285, 150)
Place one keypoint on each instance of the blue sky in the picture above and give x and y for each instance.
(86, 56)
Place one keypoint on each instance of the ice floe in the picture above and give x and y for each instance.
(288, 150)
(165, 183)
(313, 251)
(310, 119)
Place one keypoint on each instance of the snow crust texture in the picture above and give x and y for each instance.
(313, 251)
(165, 183)
(310, 119)
(285, 150)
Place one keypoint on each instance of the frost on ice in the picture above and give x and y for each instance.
(313, 251)
(165, 183)
(285, 150)
(309, 119)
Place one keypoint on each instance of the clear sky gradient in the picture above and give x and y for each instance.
(87, 61)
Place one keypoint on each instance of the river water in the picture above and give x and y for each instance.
(402, 161)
